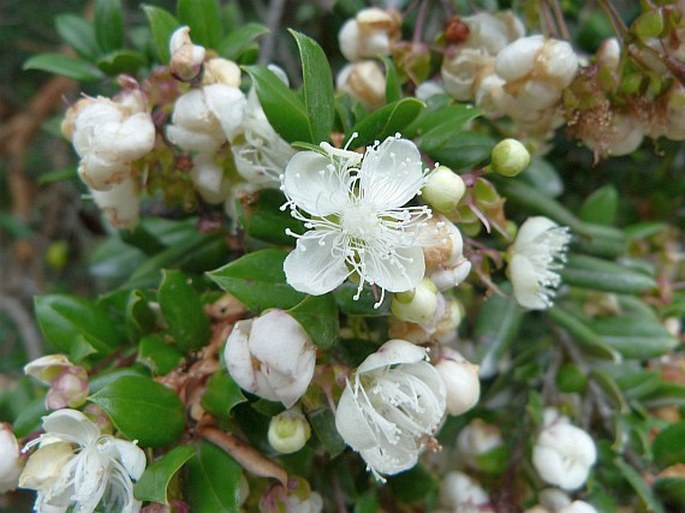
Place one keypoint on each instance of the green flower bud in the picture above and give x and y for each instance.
(418, 305)
(649, 25)
(509, 158)
(443, 190)
(289, 431)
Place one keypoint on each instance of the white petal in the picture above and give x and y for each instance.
(401, 271)
(237, 356)
(527, 290)
(314, 184)
(316, 265)
(190, 140)
(518, 58)
(131, 456)
(530, 229)
(393, 352)
(71, 426)
(391, 174)
(228, 106)
(351, 422)
(390, 459)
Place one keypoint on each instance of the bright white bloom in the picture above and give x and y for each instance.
(478, 438)
(10, 459)
(537, 254)
(77, 465)
(462, 494)
(358, 223)
(186, 58)
(563, 455)
(271, 356)
(393, 404)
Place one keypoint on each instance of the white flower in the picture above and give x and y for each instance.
(537, 254)
(271, 356)
(76, 464)
(392, 406)
(563, 455)
(10, 460)
(578, 507)
(358, 223)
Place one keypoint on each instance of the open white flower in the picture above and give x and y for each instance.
(537, 254)
(392, 406)
(77, 465)
(357, 224)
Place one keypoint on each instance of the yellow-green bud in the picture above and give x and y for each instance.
(416, 305)
(443, 190)
(289, 431)
(509, 158)
(649, 25)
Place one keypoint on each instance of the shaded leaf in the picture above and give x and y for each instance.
(212, 484)
(318, 315)
(222, 394)
(154, 483)
(59, 64)
(109, 24)
(162, 25)
(78, 33)
(240, 39)
(183, 311)
(386, 121)
(204, 19)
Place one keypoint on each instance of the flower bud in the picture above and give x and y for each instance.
(271, 356)
(443, 190)
(68, 389)
(509, 158)
(186, 58)
(578, 507)
(416, 305)
(47, 368)
(649, 24)
(369, 34)
(10, 459)
(476, 439)
(221, 71)
(296, 498)
(289, 431)
(451, 315)
(208, 178)
(462, 386)
(459, 492)
(365, 82)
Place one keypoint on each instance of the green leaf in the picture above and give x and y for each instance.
(413, 485)
(599, 274)
(157, 355)
(78, 33)
(494, 461)
(438, 110)
(442, 133)
(463, 150)
(204, 19)
(582, 333)
(143, 410)
(121, 61)
(393, 87)
(263, 218)
(109, 24)
(283, 108)
(75, 326)
(668, 447)
(183, 311)
(30, 418)
(318, 315)
(222, 395)
(387, 121)
(162, 24)
(258, 281)
(323, 425)
(212, 484)
(59, 64)
(139, 316)
(640, 486)
(543, 177)
(672, 489)
(317, 87)
(344, 296)
(154, 483)
(635, 337)
(240, 39)
(601, 206)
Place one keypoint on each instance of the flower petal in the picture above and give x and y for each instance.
(402, 270)
(393, 352)
(71, 426)
(351, 422)
(237, 356)
(391, 174)
(527, 291)
(131, 456)
(314, 184)
(316, 265)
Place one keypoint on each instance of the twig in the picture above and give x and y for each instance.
(273, 20)
(23, 321)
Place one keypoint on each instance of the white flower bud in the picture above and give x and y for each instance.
(493, 31)
(445, 262)
(449, 321)
(221, 71)
(47, 368)
(554, 499)
(68, 389)
(563, 455)
(368, 35)
(186, 58)
(476, 439)
(11, 463)
(459, 492)
(443, 189)
(289, 431)
(120, 204)
(449, 277)
(464, 69)
(271, 356)
(364, 81)
(609, 53)
(428, 89)
(509, 158)
(462, 386)
(417, 305)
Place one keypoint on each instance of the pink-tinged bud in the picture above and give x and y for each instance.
(271, 356)
(68, 389)
(11, 463)
(47, 368)
(289, 431)
(186, 58)
(462, 386)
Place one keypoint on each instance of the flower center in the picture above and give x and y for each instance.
(360, 221)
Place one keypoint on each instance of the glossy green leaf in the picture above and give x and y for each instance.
(183, 311)
(599, 274)
(153, 485)
(323, 426)
(344, 296)
(212, 484)
(204, 19)
(393, 87)
(75, 325)
(283, 108)
(105, 378)
(30, 417)
(240, 39)
(109, 24)
(258, 281)
(78, 33)
(59, 64)
(121, 61)
(543, 177)
(443, 133)
(437, 111)
(143, 410)
(139, 316)
(669, 446)
(263, 218)
(317, 87)
(158, 355)
(601, 206)
(635, 337)
(222, 394)
(463, 150)
(386, 121)
(162, 25)
(318, 315)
